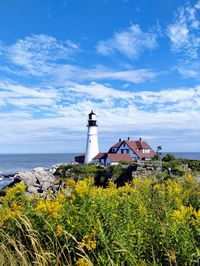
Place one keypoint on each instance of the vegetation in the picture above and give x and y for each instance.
(118, 173)
(179, 167)
(145, 222)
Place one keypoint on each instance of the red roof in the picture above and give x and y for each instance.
(142, 145)
(113, 157)
(136, 147)
(100, 155)
(116, 146)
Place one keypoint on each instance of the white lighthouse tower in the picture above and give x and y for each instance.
(92, 146)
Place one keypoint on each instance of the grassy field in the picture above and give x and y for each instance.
(145, 222)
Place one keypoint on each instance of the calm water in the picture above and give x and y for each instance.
(13, 163)
(187, 155)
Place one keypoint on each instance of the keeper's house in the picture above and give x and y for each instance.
(123, 150)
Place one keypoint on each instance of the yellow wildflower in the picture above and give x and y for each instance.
(58, 229)
(89, 241)
(197, 215)
(14, 211)
(50, 207)
(182, 214)
(83, 262)
(82, 188)
(142, 210)
(12, 192)
(157, 186)
(190, 178)
(174, 188)
(70, 182)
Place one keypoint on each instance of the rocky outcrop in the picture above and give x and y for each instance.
(146, 169)
(39, 181)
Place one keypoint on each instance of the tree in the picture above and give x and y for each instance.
(158, 153)
(168, 158)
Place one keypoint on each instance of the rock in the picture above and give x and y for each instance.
(34, 190)
(39, 180)
(28, 178)
(146, 169)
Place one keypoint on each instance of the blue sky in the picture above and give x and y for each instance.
(135, 63)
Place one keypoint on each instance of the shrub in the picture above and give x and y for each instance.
(145, 222)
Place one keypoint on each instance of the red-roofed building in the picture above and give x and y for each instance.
(114, 158)
(126, 150)
(100, 158)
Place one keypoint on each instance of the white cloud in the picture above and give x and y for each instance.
(132, 75)
(38, 52)
(184, 35)
(42, 56)
(22, 96)
(184, 31)
(51, 108)
(188, 71)
(131, 42)
(118, 112)
(197, 6)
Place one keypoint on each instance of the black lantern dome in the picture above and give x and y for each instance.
(92, 122)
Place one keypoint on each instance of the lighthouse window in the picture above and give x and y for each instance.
(90, 141)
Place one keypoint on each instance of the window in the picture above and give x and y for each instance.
(124, 144)
(122, 151)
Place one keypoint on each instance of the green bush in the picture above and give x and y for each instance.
(145, 222)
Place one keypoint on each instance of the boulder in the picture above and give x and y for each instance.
(39, 181)
(28, 178)
(34, 190)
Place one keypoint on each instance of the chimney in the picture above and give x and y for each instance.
(128, 138)
(120, 140)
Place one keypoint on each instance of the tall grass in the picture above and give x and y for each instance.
(143, 223)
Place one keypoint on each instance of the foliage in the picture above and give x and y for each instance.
(180, 166)
(118, 173)
(158, 153)
(79, 171)
(145, 222)
(168, 158)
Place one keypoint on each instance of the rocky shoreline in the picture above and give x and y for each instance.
(37, 181)
(47, 182)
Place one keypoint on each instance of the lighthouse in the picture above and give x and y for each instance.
(92, 146)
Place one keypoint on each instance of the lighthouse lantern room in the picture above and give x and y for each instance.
(92, 146)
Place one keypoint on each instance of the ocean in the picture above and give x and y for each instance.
(14, 163)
